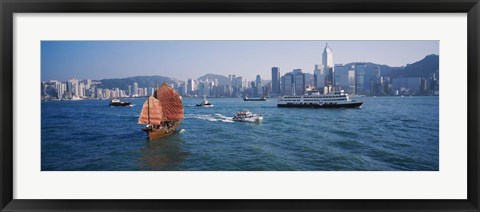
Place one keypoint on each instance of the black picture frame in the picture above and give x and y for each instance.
(9, 7)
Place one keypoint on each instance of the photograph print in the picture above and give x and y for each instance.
(240, 105)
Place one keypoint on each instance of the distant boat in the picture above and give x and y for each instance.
(205, 103)
(247, 116)
(117, 103)
(162, 112)
(255, 99)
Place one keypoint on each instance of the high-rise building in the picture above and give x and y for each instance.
(238, 85)
(360, 78)
(327, 61)
(288, 84)
(88, 83)
(63, 87)
(81, 90)
(299, 81)
(341, 76)
(275, 80)
(190, 86)
(129, 90)
(351, 80)
(258, 83)
(135, 89)
(318, 77)
(73, 87)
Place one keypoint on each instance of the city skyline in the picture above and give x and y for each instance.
(62, 60)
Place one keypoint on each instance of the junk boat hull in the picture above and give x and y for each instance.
(153, 133)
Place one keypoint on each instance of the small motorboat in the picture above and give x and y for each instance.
(247, 116)
(205, 103)
(118, 103)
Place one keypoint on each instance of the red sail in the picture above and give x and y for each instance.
(152, 112)
(171, 102)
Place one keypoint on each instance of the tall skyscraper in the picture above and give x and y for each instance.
(238, 85)
(135, 89)
(81, 90)
(318, 77)
(258, 83)
(275, 80)
(341, 76)
(288, 84)
(327, 61)
(299, 81)
(351, 80)
(190, 86)
(88, 83)
(74, 87)
(360, 78)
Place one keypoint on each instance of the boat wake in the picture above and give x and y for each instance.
(182, 131)
(211, 117)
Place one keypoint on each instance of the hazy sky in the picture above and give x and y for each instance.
(97, 60)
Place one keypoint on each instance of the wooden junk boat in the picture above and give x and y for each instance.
(162, 112)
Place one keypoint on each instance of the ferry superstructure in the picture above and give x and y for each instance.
(338, 99)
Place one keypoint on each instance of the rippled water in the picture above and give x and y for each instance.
(387, 133)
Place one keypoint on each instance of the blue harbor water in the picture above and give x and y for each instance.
(387, 133)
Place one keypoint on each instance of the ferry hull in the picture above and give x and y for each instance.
(348, 105)
(160, 133)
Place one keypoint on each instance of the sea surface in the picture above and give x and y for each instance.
(387, 133)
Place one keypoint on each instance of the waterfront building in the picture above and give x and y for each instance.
(341, 76)
(63, 88)
(81, 90)
(327, 61)
(318, 77)
(73, 87)
(267, 89)
(100, 93)
(299, 82)
(258, 84)
(238, 86)
(182, 89)
(377, 83)
(107, 93)
(351, 80)
(190, 86)
(135, 89)
(275, 80)
(288, 84)
(360, 78)
(407, 85)
(87, 83)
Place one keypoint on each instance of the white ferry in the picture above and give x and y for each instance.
(336, 99)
